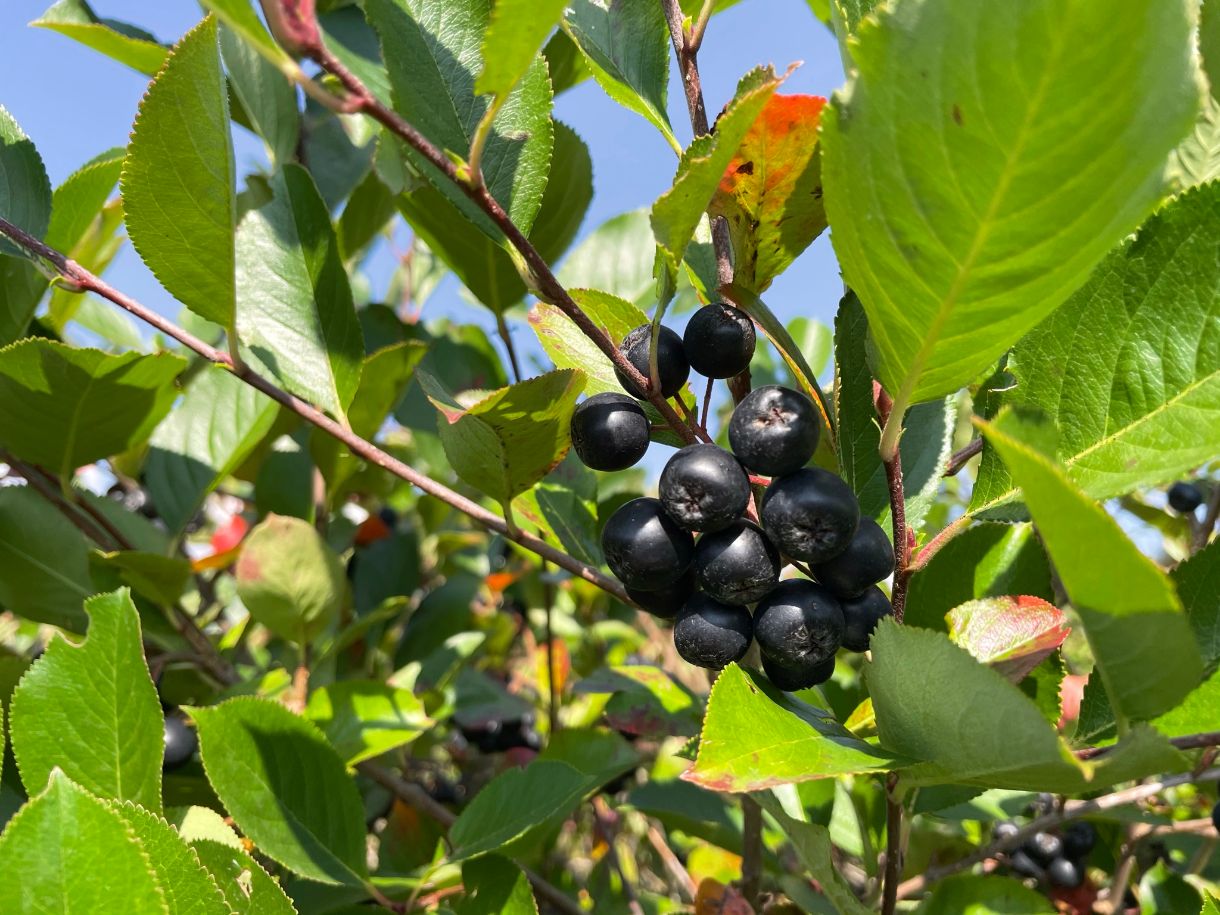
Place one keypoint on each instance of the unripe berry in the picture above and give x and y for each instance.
(719, 340)
(712, 634)
(868, 559)
(737, 564)
(672, 367)
(774, 430)
(643, 546)
(609, 432)
(798, 624)
(704, 488)
(810, 515)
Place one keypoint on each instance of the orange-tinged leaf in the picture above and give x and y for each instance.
(771, 193)
(562, 662)
(714, 898)
(372, 529)
(1012, 634)
(215, 561)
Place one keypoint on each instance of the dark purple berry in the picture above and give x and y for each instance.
(1064, 873)
(868, 559)
(719, 340)
(798, 676)
(644, 548)
(1185, 497)
(610, 432)
(704, 488)
(665, 603)
(798, 624)
(738, 564)
(180, 742)
(861, 616)
(672, 367)
(712, 634)
(774, 430)
(810, 515)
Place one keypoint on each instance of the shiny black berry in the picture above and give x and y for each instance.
(810, 515)
(1185, 497)
(1005, 829)
(798, 624)
(1216, 817)
(1043, 847)
(1065, 873)
(868, 559)
(861, 616)
(719, 340)
(665, 603)
(672, 367)
(643, 546)
(1078, 839)
(609, 432)
(704, 488)
(737, 564)
(180, 742)
(712, 634)
(774, 430)
(1023, 865)
(798, 676)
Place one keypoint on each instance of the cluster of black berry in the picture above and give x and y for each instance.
(807, 514)
(1057, 859)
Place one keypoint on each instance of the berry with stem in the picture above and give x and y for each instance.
(672, 367)
(719, 340)
(610, 432)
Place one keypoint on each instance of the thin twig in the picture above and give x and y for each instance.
(707, 401)
(552, 708)
(605, 823)
(677, 872)
(751, 849)
(1189, 742)
(962, 457)
(1203, 532)
(509, 347)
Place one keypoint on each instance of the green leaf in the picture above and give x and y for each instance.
(1129, 368)
(1141, 640)
(569, 348)
(94, 251)
(92, 710)
(1165, 892)
(178, 180)
(433, 52)
(626, 48)
(514, 803)
(211, 432)
(1198, 584)
(616, 258)
(266, 96)
(563, 506)
(74, 853)
(496, 886)
(511, 42)
(240, 17)
(187, 887)
(290, 580)
(1011, 634)
(677, 212)
(600, 755)
(159, 578)
(25, 201)
(987, 560)
(364, 718)
(508, 440)
(285, 788)
(984, 895)
(1209, 43)
(1196, 161)
(77, 202)
(1210, 906)
(644, 701)
(125, 43)
(1196, 714)
(937, 178)
(63, 407)
(755, 737)
(295, 316)
(246, 886)
(44, 561)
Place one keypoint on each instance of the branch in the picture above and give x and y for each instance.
(83, 280)
(751, 849)
(962, 457)
(1190, 742)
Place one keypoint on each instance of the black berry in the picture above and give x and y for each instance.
(868, 559)
(774, 430)
(1185, 497)
(704, 488)
(798, 676)
(719, 340)
(609, 431)
(712, 634)
(1005, 829)
(861, 616)
(665, 603)
(643, 546)
(1043, 847)
(672, 367)
(500, 736)
(737, 564)
(180, 742)
(810, 515)
(1216, 817)
(1078, 839)
(1023, 865)
(1064, 873)
(798, 624)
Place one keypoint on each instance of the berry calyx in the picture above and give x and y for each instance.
(798, 676)
(719, 340)
(609, 432)
(737, 564)
(666, 603)
(644, 548)
(868, 559)
(810, 515)
(712, 634)
(704, 488)
(798, 624)
(1185, 497)
(861, 616)
(774, 430)
(180, 742)
(672, 367)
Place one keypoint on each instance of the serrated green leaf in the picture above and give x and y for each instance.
(92, 710)
(218, 423)
(1198, 584)
(1196, 161)
(74, 853)
(188, 888)
(285, 788)
(1129, 368)
(1163, 891)
(63, 407)
(644, 701)
(1196, 714)
(125, 43)
(295, 315)
(240, 17)
(94, 251)
(563, 506)
(365, 718)
(937, 177)
(600, 755)
(44, 561)
(77, 202)
(615, 258)
(433, 53)
(290, 579)
(267, 97)
(626, 48)
(495, 886)
(511, 438)
(514, 34)
(1210, 907)
(178, 180)
(1141, 640)
(25, 201)
(569, 348)
(984, 895)
(246, 886)
(755, 737)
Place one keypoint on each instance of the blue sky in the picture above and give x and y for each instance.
(75, 103)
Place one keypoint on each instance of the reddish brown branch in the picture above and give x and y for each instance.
(962, 457)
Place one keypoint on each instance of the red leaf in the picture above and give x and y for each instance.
(1012, 634)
